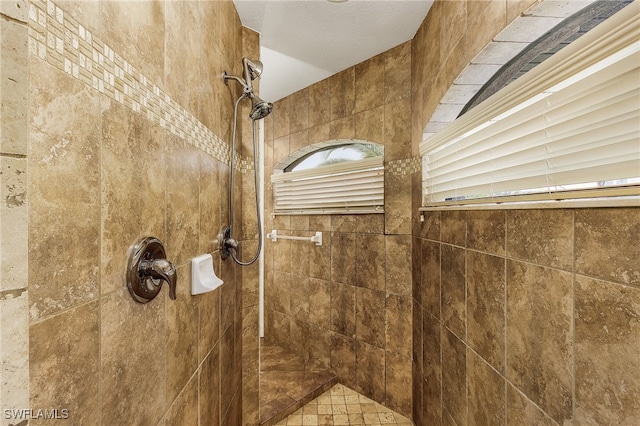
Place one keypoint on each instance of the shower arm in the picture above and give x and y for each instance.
(247, 87)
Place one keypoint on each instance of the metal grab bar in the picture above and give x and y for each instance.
(273, 235)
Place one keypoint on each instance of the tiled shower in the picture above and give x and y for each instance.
(115, 125)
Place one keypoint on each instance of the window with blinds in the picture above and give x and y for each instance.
(568, 129)
(352, 187)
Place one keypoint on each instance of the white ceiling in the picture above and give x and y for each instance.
(305, 41)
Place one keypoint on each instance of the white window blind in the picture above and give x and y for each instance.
(570, 128)
(348, 187)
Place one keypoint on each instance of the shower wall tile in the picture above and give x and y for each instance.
(431, 285)
(299, 140)
(209, 388)
(320, 103)
(320, 303)
(397, 204)
(454, 228)
(486, 231)
(209, 322)
(137, 185)
(64, 148)
(370, 224)
(398, 254)
(453, 296)
(397, 381)
(15, 221)
(370, 261)
(343, 309)
(397, 73)
(319, 133)
(64, 364)
(124, 26)
(521, 411)
(398, 324)
(182, 333)
(370, 316)
(369, 84)
(370, 125)
(607, 335)
(432, 390)
(544, 237)
(299, 111)
(370, 370)
(279, 292)
(486, 293)
(343, 128)
(454, 376)
(282, 121)
(539, 344)
(606, 244)
(299, 290)
(14, 85)
(123, 325)
(182, 165)
(343, 258)
(342, 87)
(184, 410)
(320, 258)
(227, 366)
(486, 392)
(397, 135)
(343, 359)
(210, 200)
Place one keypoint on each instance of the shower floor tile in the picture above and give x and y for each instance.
(343, 406)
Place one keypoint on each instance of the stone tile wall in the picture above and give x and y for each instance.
(115, 126)
(527, 315)
(347, 303)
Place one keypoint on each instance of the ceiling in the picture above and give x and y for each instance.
(305, 41)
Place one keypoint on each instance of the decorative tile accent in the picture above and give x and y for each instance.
(62, 42)
(403, 167)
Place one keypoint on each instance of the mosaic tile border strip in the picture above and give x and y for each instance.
(64, 43)
(404, 167)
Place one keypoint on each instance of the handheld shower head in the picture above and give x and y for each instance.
(260, 109)
(252, 70)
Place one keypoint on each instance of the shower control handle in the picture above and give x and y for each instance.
(148, 268)
(160, 269)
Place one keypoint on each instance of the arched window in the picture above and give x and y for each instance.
(337, 176)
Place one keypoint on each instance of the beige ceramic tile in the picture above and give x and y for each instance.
(184, 410)
(544, 237)
(64, 363)
(539, 344)
(521, 411)
(607, 244)
(370, 262)
(607, 335)
(431, 274)
(487, 231)
(397, 73)
(370, 125)
(64, 179)
(14, 106)
(14, 354)
(342, 87)
(370, 316)
(454, 377)
(133, 191)
(124, 324)
(14, 225)
(397, 135)
(319, 103)
(486, 392)
(454, 310)
(486, 307)
(369, 83)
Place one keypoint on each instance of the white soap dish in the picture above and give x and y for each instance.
(203, 277)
